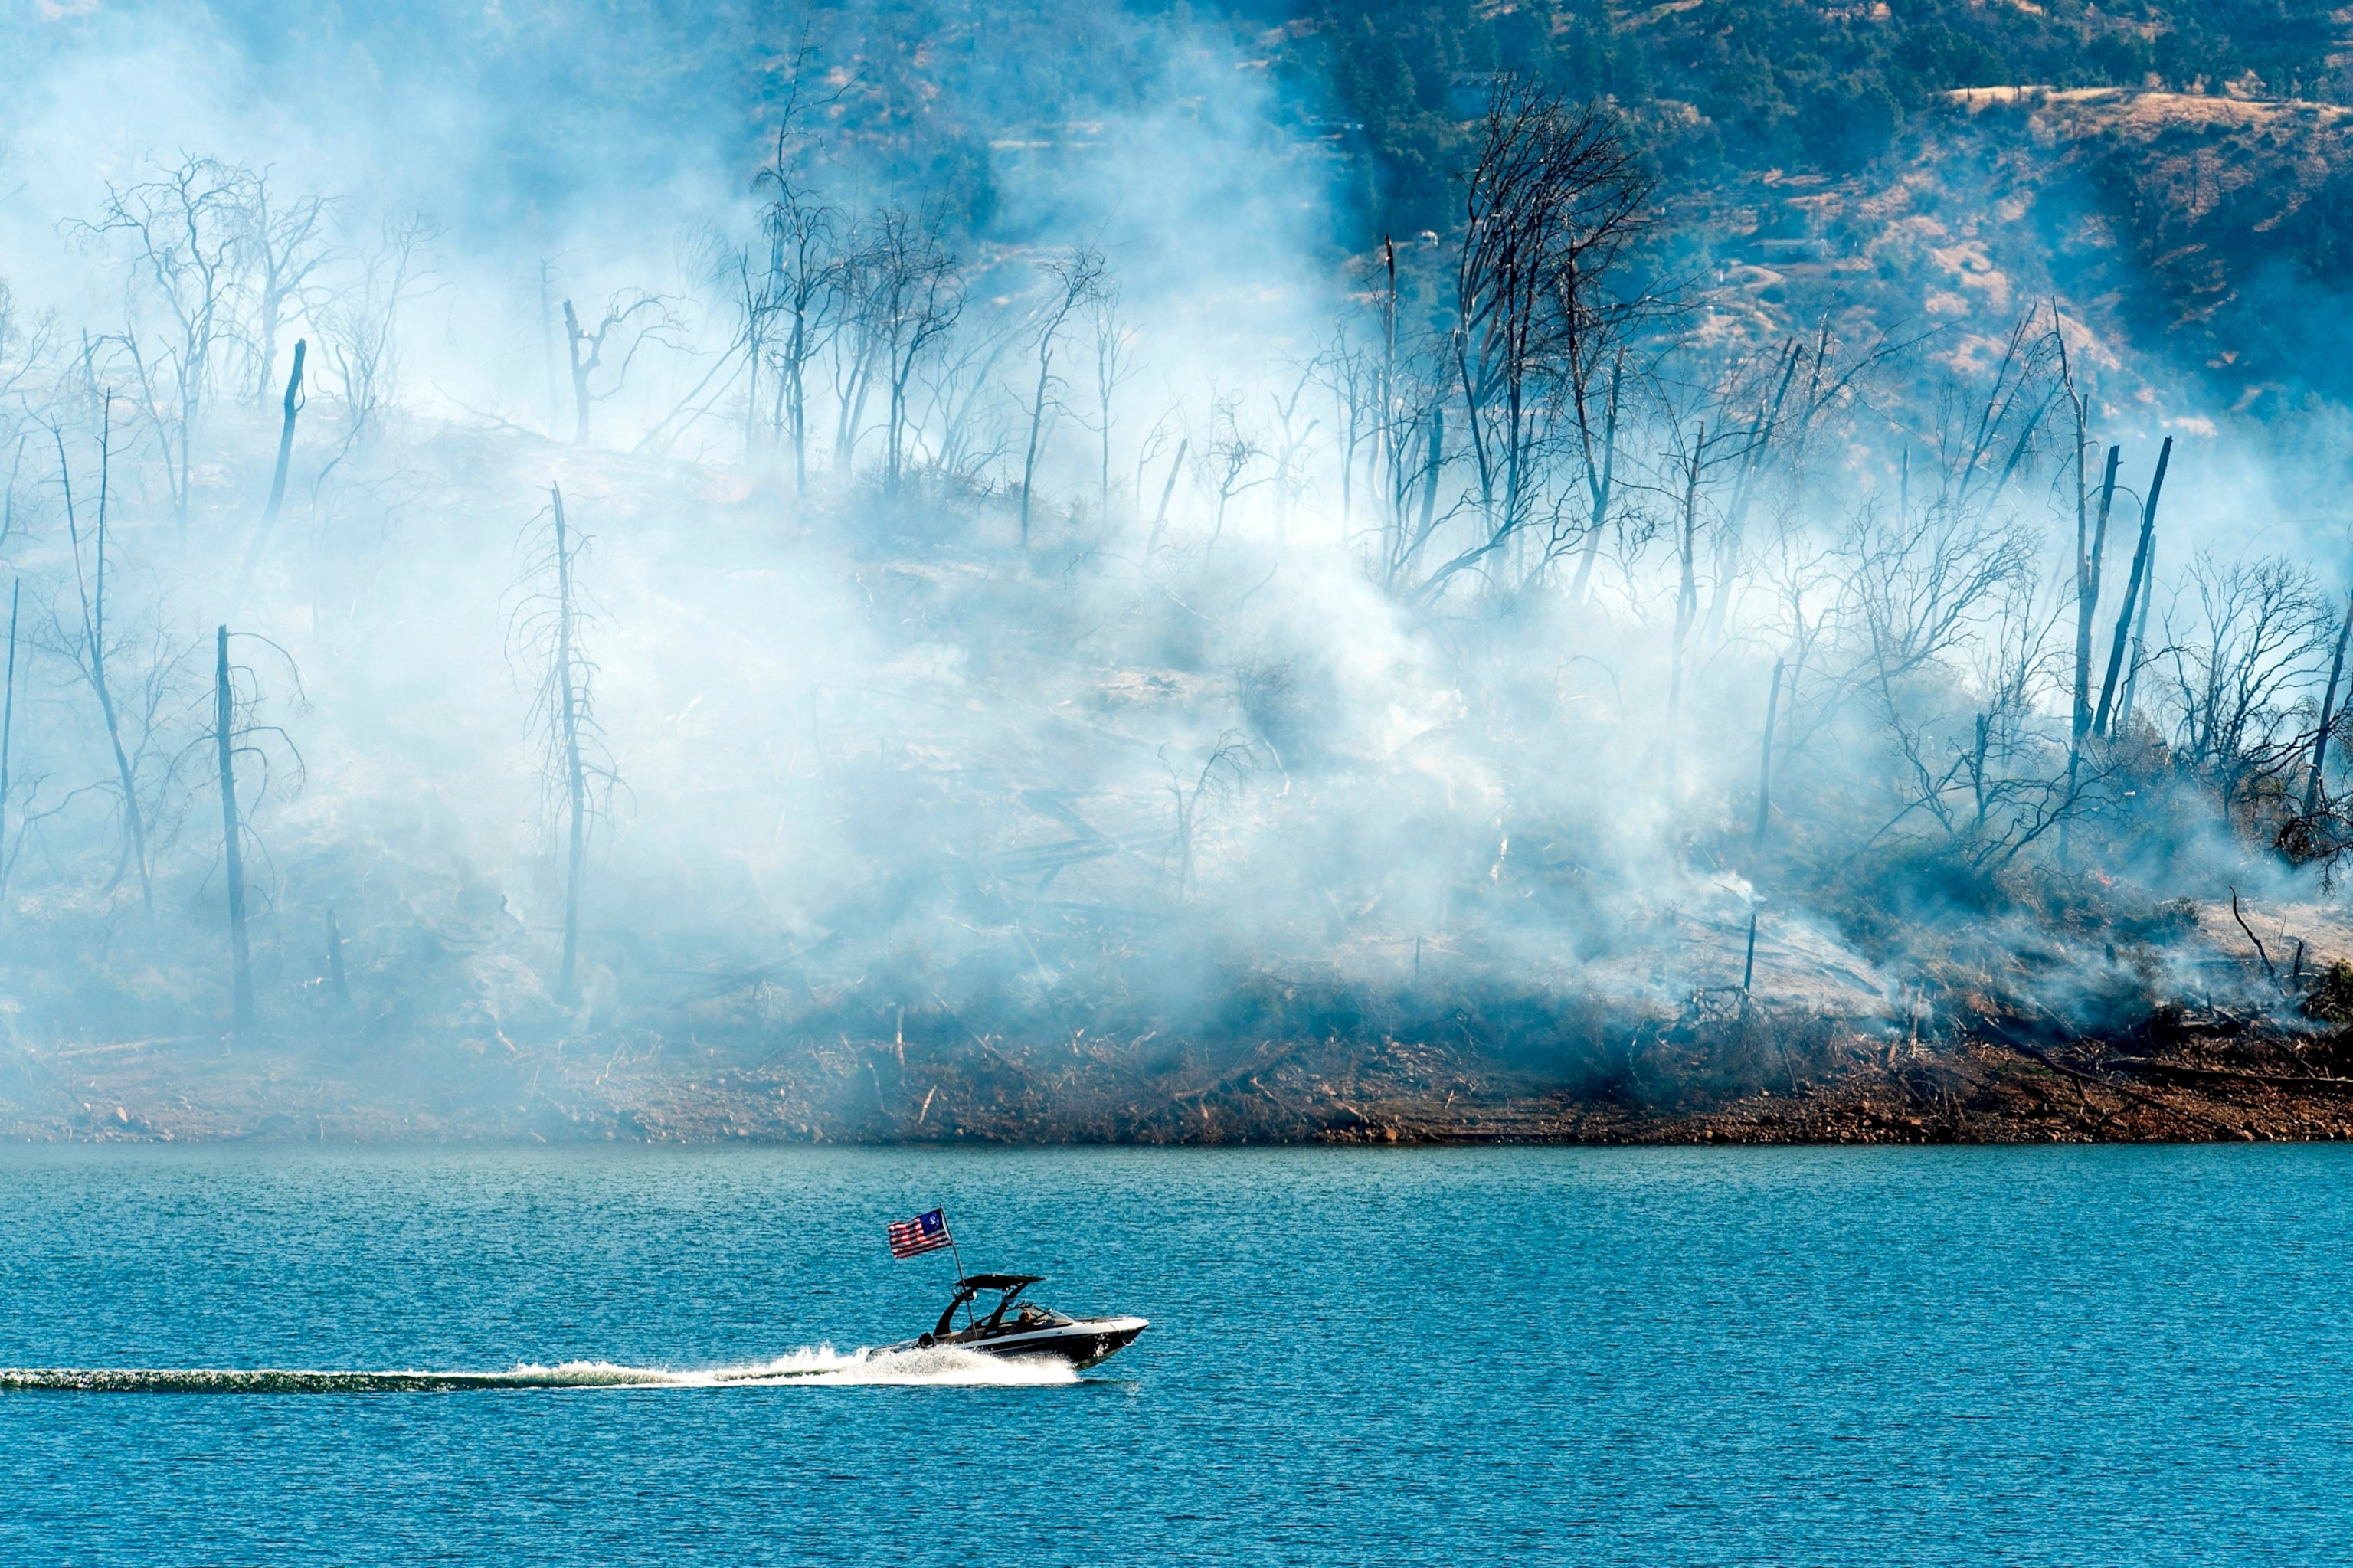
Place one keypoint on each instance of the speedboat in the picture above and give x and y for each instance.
(1018, 1328)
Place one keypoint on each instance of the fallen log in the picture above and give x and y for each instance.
(2300, 1084)
(2002, 1038)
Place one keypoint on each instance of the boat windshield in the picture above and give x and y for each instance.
(1036, 1317)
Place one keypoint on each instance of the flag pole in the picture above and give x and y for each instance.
(956, 1253)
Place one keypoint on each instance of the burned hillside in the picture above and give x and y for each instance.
(1643, 660)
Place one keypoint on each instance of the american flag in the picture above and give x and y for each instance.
(924, 1233)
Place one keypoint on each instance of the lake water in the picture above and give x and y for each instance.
(1865, 1356)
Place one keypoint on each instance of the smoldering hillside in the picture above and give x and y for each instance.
(1053, 631)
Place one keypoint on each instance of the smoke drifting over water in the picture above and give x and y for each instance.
(1127, 651)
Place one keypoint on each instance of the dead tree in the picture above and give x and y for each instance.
(1221, 772)
(2140, 642)
(2091, 544)
(1918, 591)
(1115, 356)
(962, 434)
(1401, 414)
(637, 317)
(235, 735)
(804, 267)
(1987, 450)
(915, 297)
(1413, 457)
(852, 349)
(2089, 554)
(1693, 464)
(569, 695)
(1072, 280)
(1228, 457)
(2090, 551)
(187, 234)
(1290, 449)
(358, 327)
(285, 247)
(576, 774)
(1350, 374)
(2260, 627)
(2135, 585)
(90, 649)
(1771, 413)
(232, 831)
(1551, 204)
(747, 281)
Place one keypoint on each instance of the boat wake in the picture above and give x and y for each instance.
(941, 1366)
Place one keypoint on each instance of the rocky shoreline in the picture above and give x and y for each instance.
(2178, 1076)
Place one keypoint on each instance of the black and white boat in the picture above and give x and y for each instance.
(1018, 1328)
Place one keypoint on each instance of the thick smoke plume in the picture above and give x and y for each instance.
(883, 532)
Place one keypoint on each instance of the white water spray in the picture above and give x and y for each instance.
(942, 1366)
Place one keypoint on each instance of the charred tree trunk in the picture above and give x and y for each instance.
(293, 406)
(793, 391)
(567, 987)
(2091, 555)
(2133, 590)
(2091, 549)
(2140, 638)
(2311, 787)
(232, 830)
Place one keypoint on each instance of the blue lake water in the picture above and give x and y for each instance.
(1839, 1356)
